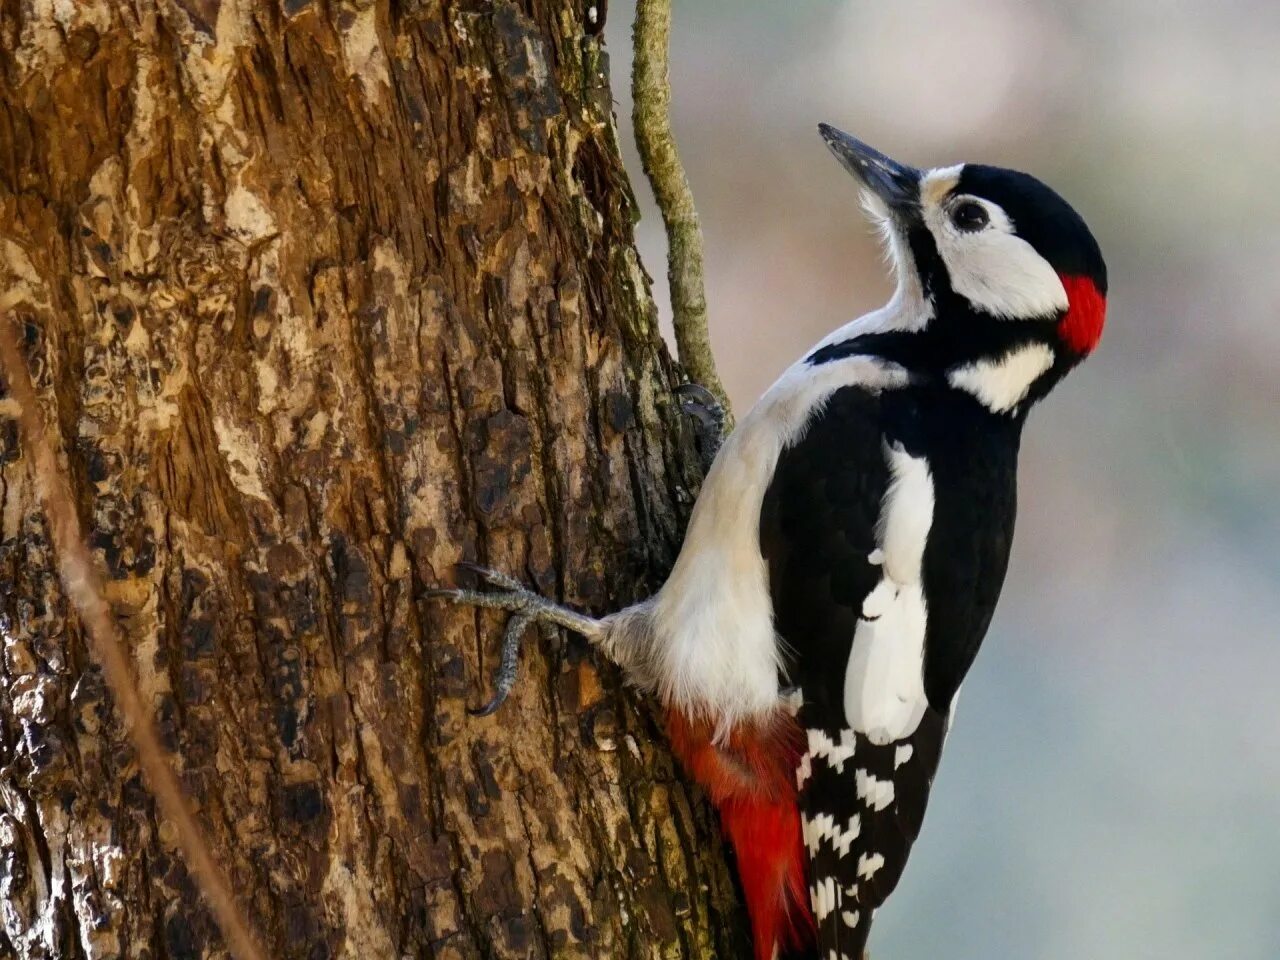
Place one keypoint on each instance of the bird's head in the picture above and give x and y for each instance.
(996, 272)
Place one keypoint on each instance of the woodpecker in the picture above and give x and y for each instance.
(846, 551)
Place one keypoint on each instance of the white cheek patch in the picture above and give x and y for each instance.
(1000, 385)
(993, 268)
(1003, 275)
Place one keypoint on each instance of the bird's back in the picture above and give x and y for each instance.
(886, 531)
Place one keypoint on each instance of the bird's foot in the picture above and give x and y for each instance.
(709, 417)
(526, 607)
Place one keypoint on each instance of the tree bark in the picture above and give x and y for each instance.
(322, 298)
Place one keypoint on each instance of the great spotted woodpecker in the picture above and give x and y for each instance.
(848, 546)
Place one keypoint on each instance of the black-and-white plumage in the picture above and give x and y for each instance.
(887, 531)
(849, 544)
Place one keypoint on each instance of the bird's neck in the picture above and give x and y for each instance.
(1007, 365)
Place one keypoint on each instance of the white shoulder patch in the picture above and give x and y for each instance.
(884, 696)
(906, 516)
(1000, 385)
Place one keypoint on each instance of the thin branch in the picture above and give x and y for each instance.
(651, 115)
(81, 580)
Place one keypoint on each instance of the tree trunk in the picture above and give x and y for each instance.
(322, 298)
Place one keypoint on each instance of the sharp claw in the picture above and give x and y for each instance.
(700, 403)
(491, 707)
(695, 393)
(475, 569)
(508, 665)
(525, 607)
(490, 576)
(439, 593)
(708, 415)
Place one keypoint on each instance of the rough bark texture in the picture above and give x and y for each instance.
(322, 298)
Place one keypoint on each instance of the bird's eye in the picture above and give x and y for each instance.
(970, 216)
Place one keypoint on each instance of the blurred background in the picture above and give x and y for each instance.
(1111, 790)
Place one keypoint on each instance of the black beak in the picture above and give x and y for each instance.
(895, 183)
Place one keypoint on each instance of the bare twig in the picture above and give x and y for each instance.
(651, 114)
(81, 580)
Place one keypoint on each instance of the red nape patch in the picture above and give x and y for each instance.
(750, 777)
(1081, 328)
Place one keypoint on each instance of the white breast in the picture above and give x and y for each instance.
(884, 696)
(713, 618)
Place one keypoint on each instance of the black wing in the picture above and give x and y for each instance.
(862, 803)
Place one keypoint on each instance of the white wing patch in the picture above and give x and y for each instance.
(824, 827)
(822, 746)
(876, 794)
(824, 897)
(884, 696)
(868, 864)
(1000, 385)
